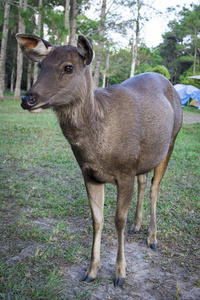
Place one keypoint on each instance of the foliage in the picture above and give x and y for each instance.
(147, 58)
(185, 80)
(180, 47)
(161, 70)
(179, 51)
(120, 66)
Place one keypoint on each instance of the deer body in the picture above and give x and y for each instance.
(115, 133)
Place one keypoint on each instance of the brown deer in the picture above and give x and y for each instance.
(116, 133)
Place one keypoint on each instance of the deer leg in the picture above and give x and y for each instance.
(158, 175)
(125, 193)
(142, 182)
(95, 193)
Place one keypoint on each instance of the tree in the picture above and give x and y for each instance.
(100, 45)
(38, 32)
(74, 11)
(180, 47)
(191, 25)
(120, 64)
(3, 47)
(136, 40)
(189, 81)
(140, 12)
(147, 57)
(67, 23)
(105, 69)
(21, 28)
(160, 70)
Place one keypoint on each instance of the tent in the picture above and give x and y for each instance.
(195, 77)
(187, 92)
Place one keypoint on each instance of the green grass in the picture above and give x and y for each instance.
(44, 207)
(191, 109)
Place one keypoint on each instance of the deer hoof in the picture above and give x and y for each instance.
(86, 278)
(119, 281)
(153, 246)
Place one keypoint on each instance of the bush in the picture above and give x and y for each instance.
(161, 70)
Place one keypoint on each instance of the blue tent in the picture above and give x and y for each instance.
(187, 92)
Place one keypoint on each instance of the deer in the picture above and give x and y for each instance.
(116, 133)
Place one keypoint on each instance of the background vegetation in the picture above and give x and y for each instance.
(60, 22)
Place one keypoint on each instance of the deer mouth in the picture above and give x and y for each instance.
(39, 107)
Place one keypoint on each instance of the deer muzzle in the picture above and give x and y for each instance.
(28, 101)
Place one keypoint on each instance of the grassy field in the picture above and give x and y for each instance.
(45, 221)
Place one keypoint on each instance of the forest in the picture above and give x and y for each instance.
(60, 22)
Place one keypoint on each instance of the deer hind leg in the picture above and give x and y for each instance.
(124, 197)
(155, 185)
(142, 182)
(95, 193)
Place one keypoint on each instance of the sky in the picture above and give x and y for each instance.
(158, 25)
(153, 29)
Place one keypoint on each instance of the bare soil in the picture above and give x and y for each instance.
(151, 275)
(190, 118)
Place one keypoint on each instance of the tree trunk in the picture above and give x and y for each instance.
(100, 45)
(3, 48)
(195, 52)
(29, 75)
(135, 44)
(67, 24)
(195, 57)
(72, 38)
(106, 68)
(21, 28)
(12, 77)
(35, 72)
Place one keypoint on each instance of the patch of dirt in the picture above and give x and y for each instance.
(145, 280)
(148, 275)
(190, 118)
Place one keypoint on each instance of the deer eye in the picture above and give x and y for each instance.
(68, 69)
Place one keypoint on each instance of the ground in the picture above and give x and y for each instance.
(190, 118)
(150, 274)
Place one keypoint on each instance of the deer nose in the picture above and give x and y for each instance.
(28, 101)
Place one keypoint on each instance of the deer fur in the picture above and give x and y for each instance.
(116, 133)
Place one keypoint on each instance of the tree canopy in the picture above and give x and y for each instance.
(177, 57)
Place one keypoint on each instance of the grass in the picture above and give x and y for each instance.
(45, 217)
(191, 109)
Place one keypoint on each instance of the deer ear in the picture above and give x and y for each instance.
(33, 47)
(85, 48)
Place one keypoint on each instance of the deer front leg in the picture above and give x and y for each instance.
(142, 182)
(124, 197)
(95, 193)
